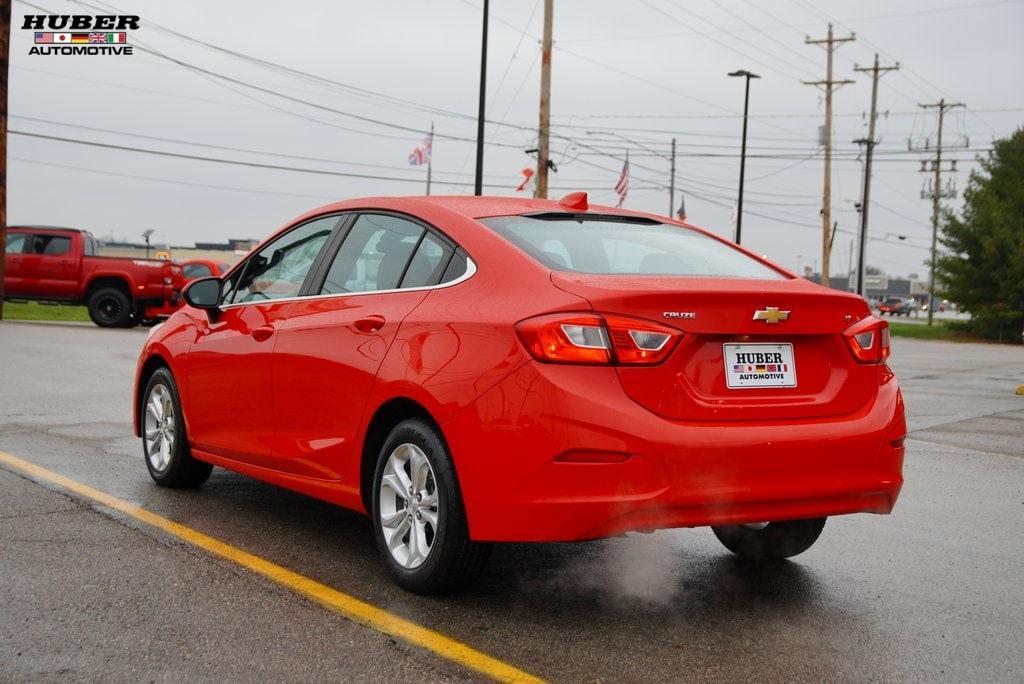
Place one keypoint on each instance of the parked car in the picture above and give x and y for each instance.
(63, 265)
(470, 370)
(894, 306)
(202, 268)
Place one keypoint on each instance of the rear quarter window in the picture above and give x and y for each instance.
(613, 246)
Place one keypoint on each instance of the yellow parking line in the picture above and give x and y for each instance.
(340, 602)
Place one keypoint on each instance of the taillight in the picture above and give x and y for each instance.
(868, 340)
(597, 339)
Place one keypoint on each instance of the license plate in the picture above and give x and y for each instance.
(759, 365)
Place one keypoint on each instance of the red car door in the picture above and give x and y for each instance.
(14, 275)
(49, 264)
(331, 346)
(229, 382)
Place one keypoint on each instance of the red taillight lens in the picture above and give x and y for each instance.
(639, 342)
(597, 339)
(868, 340)
(566, 338)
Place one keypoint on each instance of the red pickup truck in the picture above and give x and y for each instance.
(62, 265)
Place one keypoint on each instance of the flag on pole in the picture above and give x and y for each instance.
(421, 153)
(527, 179)
(622, 186)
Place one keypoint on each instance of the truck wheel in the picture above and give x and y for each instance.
(770, 541)
(109, 307)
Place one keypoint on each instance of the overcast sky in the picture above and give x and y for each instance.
(626, 75)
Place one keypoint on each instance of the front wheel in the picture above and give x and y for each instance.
(164, 444)
(770, 541)
(419, 520)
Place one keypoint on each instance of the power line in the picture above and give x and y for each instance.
(259, 165)
(772, 27)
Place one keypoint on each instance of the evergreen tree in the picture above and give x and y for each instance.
(983, 271)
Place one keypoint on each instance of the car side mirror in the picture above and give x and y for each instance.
(204, 293)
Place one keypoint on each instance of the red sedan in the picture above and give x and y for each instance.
(469, 370)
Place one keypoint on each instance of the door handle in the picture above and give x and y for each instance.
(369, 324)
(262, 333)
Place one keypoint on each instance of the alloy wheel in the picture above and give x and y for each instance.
(109, 309)
(408, 506)
(159, 427)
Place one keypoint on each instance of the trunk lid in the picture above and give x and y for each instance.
(713, 312)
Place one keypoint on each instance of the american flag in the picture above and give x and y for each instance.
(421, 154)
(622, 187)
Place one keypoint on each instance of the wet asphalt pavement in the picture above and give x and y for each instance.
(934, 591)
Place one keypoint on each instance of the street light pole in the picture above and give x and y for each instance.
(743, 148)
(478, 187)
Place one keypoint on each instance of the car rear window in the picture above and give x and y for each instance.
(626, 246)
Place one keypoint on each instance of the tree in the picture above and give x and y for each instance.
(983, 270)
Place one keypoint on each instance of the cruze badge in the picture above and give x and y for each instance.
(680, 314)
(771, 315)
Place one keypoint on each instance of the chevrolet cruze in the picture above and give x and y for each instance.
(469, 370)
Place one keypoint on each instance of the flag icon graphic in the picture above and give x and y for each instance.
(101, 37)
(761, 369)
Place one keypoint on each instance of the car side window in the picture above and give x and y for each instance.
(279, 269)
(427, 263)
(16, 243)
(193, 271)
(51, 245)
(456, 267)
(374, 255)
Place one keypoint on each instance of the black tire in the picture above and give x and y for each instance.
(453, 560)
(110, 307)
(181, 470)
(774, 541)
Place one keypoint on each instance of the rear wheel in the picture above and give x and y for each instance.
(110, 307)
(418, 517)
(164, 443)
(770, 541)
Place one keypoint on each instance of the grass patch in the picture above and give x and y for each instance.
(34, 311)
(939, 331)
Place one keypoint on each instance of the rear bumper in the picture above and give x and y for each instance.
(163, 308)
(518, 452)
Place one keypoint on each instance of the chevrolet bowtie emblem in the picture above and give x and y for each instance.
(771, 315)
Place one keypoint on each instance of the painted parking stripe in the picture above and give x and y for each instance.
(337, 601)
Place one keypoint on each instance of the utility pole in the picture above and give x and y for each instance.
(936, 195)
(672, 183)
(830, 84)
(430, 157)
(5, 38)
(743, 73)
(849, 267)
(876, 71)
(544, 127)
(478, 186)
